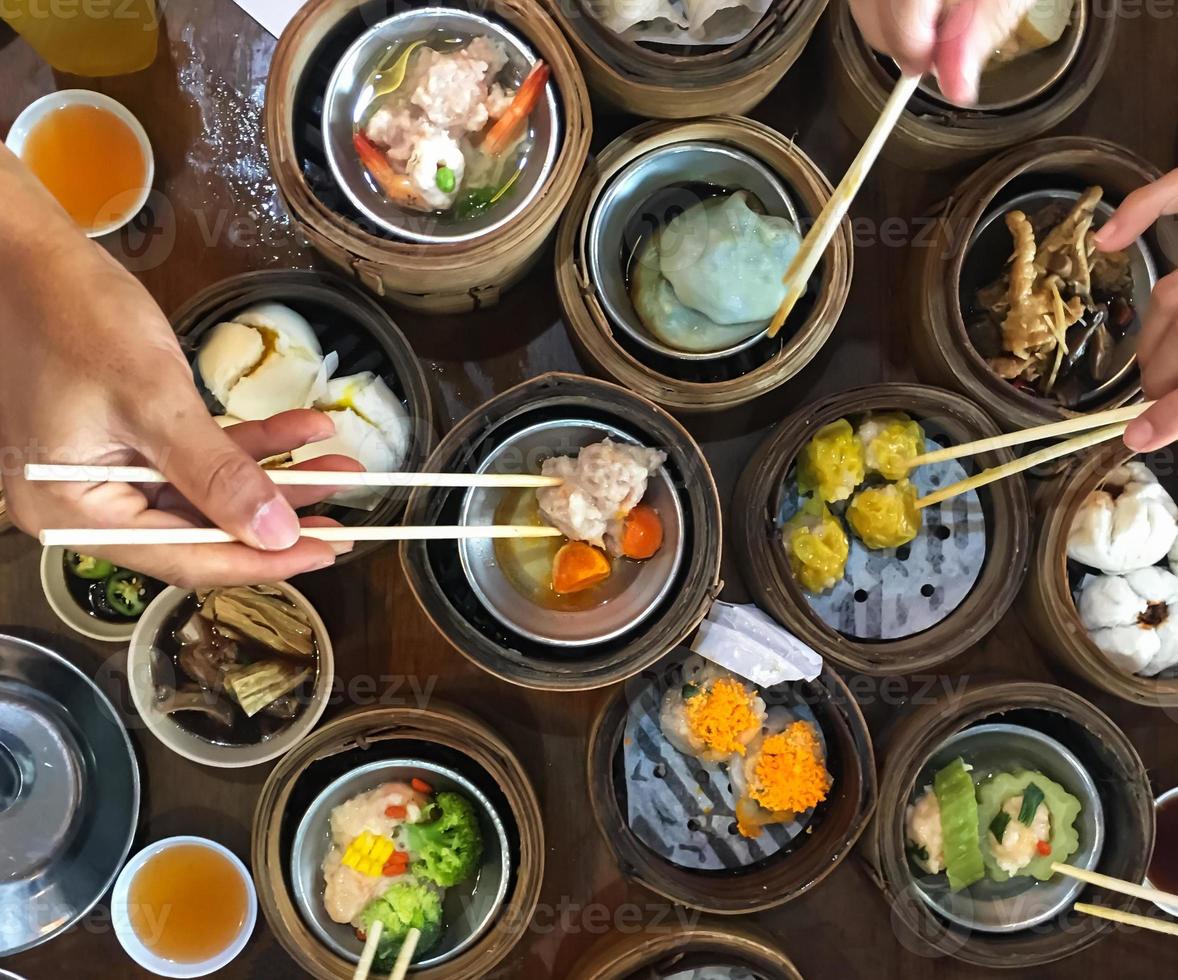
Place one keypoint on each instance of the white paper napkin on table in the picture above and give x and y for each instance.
(273, 15)
(749, 643)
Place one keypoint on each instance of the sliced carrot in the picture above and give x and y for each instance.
(642, 533)
(578, 566)
(422, 786)
(500, 136)
(395, 811)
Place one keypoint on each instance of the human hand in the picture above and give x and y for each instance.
(951, 39)
(1157, 344)
(91, 372)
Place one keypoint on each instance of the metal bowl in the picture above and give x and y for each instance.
(349, 94)
(468, 909)
(631, 594)
(69, 794)
(622, 218)
(1019, 903)
(988, 252)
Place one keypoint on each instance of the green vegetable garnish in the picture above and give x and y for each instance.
(999, 824)
(449, 848)
(126, 591)
(919, 852)
(88, 567)
(960, 830)
(406, 905)
(690, 691)
(1064, 808)
(445, 180)
(474, 202)
(1032, 797)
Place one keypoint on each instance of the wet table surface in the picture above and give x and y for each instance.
(218, 214)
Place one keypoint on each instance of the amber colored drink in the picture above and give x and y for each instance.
(1163, 868)
(187, 903)
(62, 149)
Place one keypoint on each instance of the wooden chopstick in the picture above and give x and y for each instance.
(1128, 918)
(99, 537)
(52, 472)
(1034, 434)
(797, 277)
(1118, 885)
(405, 956)
(1046, 455)
(369, 952)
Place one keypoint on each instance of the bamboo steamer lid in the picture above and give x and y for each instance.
(930, 136)
(591, 330)
(680, 84)
(652, 955)
(349, 322)
(1047, 597)
(940, 345)
(365, 735)
(449, 278)
(772, 881)
(764, 563)
(1103, 749)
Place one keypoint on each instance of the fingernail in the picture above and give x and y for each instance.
(342, 547)
(275, 527)
(1139, 435)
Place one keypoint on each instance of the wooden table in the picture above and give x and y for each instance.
(201, 103)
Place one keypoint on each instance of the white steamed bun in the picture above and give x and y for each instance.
(1130, 522)
(1133, 618)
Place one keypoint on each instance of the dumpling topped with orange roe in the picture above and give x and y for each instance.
(712, 715)
(781, 775)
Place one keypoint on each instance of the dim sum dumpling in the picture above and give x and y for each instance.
(713, 715)
(817, 546)
(885, 516)
(1133, 618)
(620, 15)
(1130, 522)
(831, 464)
(890, 441)
(727, 261)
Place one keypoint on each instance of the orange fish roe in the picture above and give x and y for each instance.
(722, 716)
(789, 774)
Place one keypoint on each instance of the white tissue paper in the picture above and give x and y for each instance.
(749, 643)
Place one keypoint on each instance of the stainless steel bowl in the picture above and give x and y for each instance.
(468, 909)
(1019, 903)
(349, 94)
(988, 252)
(630, 595)
(619, 219)
(69, 794)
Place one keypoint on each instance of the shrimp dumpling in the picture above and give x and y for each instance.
(885, 516)
(1129, 522)
(831, 464)
(890, 442)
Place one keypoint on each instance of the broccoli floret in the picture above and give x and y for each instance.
(447, 847)
(406, 905)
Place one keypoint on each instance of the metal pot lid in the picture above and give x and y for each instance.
(69, 794)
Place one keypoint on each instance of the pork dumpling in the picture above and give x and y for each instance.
(1133, 618)
(885, 516)
(831, 464)
(817, 546)
(1129, 522)
(727, 261)
(890, 442)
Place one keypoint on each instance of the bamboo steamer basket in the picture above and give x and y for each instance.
(764, 564)
(652, 955)
(595, 337)
(682, 82)
(449, 278)
(1047, 596)
(443, 733)
(940, 345)
(434, 571)
(355, 326)
(1104, 750)
(931, 136)
(772, 881)
(5, 520)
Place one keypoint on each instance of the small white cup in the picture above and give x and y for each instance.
(34, 113)
(131, 942)
(57, 594)
(1165, 798)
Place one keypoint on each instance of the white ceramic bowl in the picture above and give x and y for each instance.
(182, 741)
(57, 594)
(145, 957)
(34, 113)
(1165, 798)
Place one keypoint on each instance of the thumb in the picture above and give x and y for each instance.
(221, 480)
(969, 33)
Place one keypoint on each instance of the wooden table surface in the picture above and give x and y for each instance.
(218, 214)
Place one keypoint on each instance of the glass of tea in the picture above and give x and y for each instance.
(1163, 866)
(62, 135)
(184, 907)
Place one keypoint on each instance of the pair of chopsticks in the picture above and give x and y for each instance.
(1103, 425)
(404, 957)
(1122, 888)
(110, 537)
